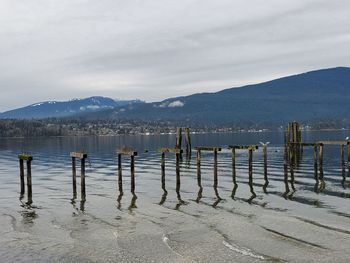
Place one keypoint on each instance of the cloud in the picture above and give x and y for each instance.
(56, 50)
(175, 104)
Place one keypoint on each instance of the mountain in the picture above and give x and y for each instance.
(50, 109)
(309, 96)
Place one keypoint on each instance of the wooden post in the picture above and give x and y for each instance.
(29, 181)
(320, 156)
(342, 153)
(250, 165)
(74, 177)
(120, 176)
(215, 168)
(188, 142)
(132, 170)
(162, 166)
(199, 176)
(82, 178)
(315, 162)
(265, 166)
(177, 156)
(178, 138)
(285, 167)
(235, 185)
(21, 175)
(348, 143)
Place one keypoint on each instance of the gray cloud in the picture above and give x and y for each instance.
(161, 48)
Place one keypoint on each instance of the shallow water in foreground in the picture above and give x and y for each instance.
(306, 224)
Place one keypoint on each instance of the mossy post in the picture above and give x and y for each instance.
(28, 158)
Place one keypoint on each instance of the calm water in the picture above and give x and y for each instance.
(309, 223)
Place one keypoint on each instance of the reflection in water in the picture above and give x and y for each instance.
(119, 199)
(165, 192)
(235, 185)
(81, 204)
(199, 177)
(29, 216)
(133, 202)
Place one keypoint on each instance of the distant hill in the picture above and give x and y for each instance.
(310, 96)
(50, 109)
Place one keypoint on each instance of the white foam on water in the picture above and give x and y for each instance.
(165, 241)
(242, 250)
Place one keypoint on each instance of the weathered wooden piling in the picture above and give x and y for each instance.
(250, 149)
(177, 153)
(285, 169)
(178, 138)
(131, 153)
(293, 138)
(199, 176)
(320, 156)
(348, 143)
(235, 185)
(188, 142)
(342, 159)
(21, 175)
(28, 158)
(315, 162)
(215, 151)
(82, 157)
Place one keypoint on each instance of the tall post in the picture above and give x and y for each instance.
(29, 181)
(250, 165)
(178, 138)
(132, 170)
(21, 175)
(348, 143)
(315, 162)
(120, 176)
(177, 156)
(235, 185)
(199, 176)
(188, 142)
(82, 178)
(285, 166)
(265, 165)
(320, 156)
(216, 173)
(74, 177)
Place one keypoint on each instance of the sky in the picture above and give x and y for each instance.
(156, 49)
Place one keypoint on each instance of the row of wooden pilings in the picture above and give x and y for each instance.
(291, 150)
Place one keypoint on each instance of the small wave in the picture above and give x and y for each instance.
(242, 250)
(165, 241)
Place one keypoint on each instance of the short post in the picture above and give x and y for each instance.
(215, 168)
(199, 176)
(285, 167)
(28, 158)
(162, 166)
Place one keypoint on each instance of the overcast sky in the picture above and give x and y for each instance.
(155, 49)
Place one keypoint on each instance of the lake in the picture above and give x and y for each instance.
(308, 223)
